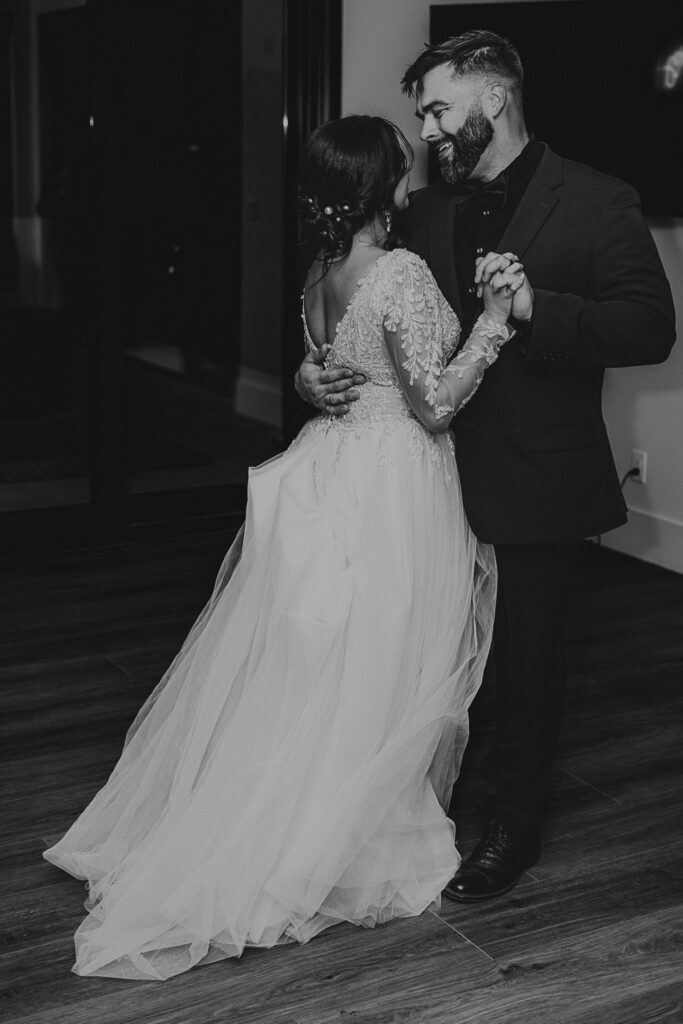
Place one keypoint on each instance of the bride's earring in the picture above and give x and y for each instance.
(387, 220)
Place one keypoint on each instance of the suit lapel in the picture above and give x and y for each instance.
(542, 194)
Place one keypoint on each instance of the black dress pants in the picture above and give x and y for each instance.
(530, 672)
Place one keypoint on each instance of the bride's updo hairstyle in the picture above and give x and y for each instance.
(349, 173)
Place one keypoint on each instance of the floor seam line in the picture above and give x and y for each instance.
(591, 786)
(461, 934)
(119, 667)
(548, 879)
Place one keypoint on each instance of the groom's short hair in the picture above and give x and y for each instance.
(477, 52)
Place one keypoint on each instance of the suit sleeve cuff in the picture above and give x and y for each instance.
(553, 335)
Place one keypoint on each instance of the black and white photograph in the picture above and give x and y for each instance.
(341, 512)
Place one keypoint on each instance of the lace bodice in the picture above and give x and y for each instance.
(399, 331)
(398, 290)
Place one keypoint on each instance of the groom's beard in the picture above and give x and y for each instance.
(467, 146)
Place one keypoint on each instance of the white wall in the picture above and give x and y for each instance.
(643, 405)
(380, 39)
(644, 410)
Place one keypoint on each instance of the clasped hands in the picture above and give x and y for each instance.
(499, 279)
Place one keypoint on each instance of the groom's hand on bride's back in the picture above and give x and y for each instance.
(331, 391)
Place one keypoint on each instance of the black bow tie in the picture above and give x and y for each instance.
(478, 193)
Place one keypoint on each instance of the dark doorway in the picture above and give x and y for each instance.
(44, 458)
(135, 392)
(167, 91)
(121, 268)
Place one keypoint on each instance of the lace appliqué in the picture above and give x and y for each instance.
(418, 341)
(482, 350)
(398, 290)
(413, 308)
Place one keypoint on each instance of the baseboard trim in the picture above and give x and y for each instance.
(651, 537)
(259, 397)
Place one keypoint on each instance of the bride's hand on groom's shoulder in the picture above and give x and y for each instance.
(332, 390)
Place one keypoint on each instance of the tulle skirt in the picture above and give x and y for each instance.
(292, 768)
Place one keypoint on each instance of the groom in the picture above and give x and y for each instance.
(534, 459)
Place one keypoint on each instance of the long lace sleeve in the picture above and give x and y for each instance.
(414, 336)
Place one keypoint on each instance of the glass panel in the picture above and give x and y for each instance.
(198, 411)
(44, 228)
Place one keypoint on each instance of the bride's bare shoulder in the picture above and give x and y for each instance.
(343, 275)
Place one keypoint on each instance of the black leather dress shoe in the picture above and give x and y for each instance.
(495, 866)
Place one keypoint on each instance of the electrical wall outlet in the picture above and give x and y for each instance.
(639, 462)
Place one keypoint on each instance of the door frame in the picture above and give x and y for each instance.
(312, 95)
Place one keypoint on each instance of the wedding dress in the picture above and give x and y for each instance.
(292, 768)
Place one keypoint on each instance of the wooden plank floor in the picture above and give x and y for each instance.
(594, 933)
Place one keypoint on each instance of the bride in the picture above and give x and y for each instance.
(291, 769)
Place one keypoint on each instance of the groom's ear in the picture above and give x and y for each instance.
(495, 99)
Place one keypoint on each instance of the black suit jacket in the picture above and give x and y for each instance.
(533, 454)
